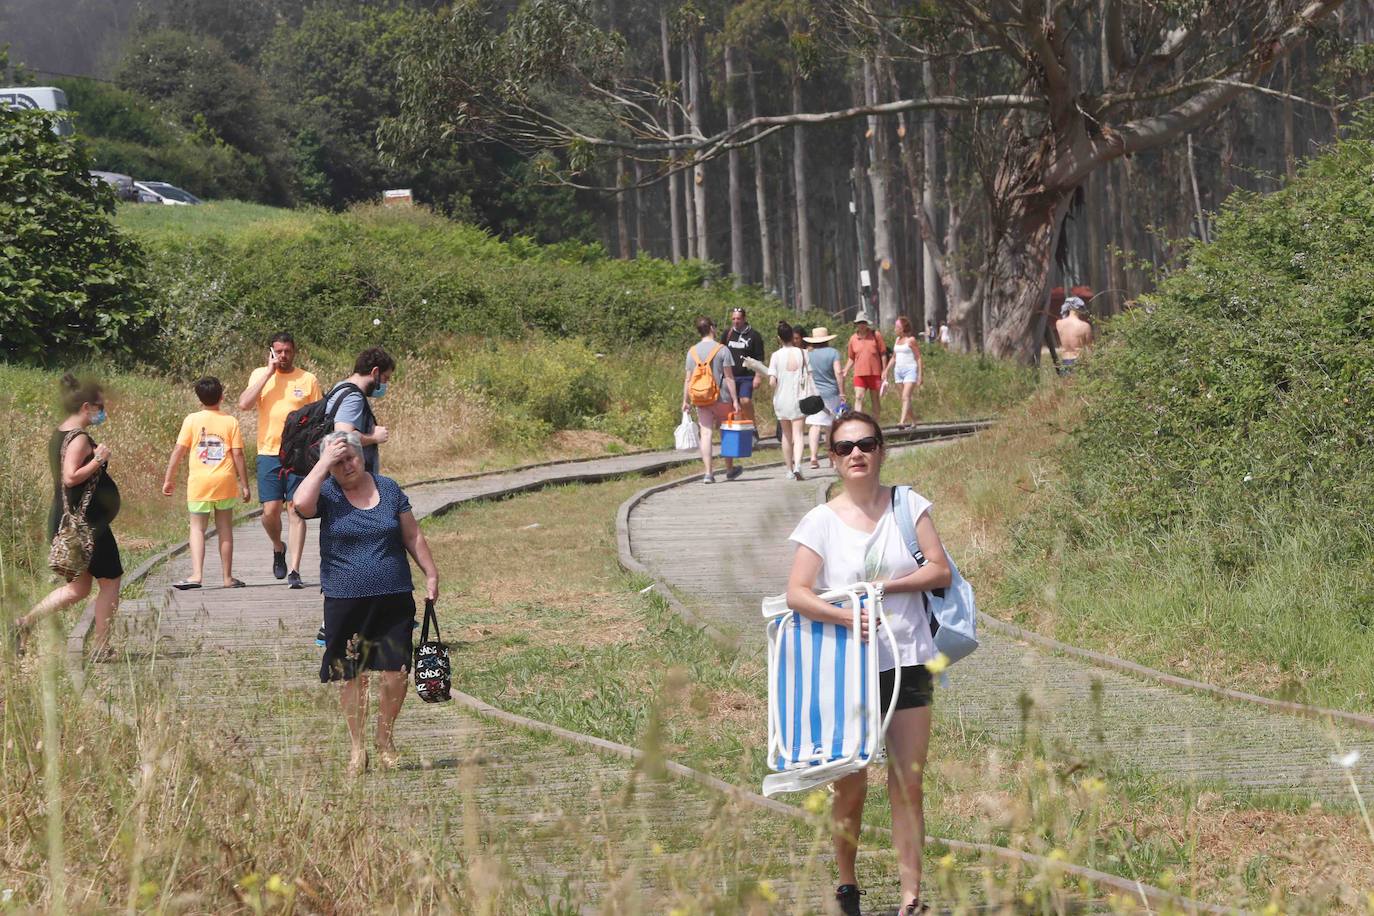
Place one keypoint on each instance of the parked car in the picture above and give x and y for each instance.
(160, 192)
(123, 184)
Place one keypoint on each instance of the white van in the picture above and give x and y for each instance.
(47, 98)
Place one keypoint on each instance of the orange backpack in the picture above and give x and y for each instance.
(702, 389)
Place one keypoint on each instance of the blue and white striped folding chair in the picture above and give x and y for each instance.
(825, 718)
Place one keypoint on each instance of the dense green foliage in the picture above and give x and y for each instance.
(1223, 450)
(126, 133)
(68, 280)
(407, 278)
(1246, 377)
(283, 102)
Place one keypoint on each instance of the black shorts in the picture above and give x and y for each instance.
(367, 634)
(105, 562)
(917, 690)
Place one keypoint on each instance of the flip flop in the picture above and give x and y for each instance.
(236, 583)
(185, 584)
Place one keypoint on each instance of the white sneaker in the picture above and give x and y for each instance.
(709, 478)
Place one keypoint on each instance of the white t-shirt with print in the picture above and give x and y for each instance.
(849, 555)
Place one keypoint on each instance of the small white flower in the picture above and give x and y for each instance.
(424, 302)
(376, 322)
(1347, 760)
(1247, 478)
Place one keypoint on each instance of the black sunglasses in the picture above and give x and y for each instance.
(867, 445)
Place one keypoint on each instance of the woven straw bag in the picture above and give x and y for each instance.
(72, 545)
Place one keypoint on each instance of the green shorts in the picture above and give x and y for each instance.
(206, 506)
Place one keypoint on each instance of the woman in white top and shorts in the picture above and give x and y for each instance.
(907, 370)
(854, 538)
(787, 373)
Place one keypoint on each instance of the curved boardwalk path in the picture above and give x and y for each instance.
(722, 549)
(577, 824)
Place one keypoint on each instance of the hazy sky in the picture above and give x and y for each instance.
(81, 37)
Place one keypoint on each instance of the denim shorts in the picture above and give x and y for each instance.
(273, 486)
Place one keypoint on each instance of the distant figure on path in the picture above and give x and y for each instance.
(78, 463)
(787, 372)
(371, 372)
(366, 530)
(854, 538)
(826, 374)
(216, 480)
(907, 369)
(744, 341)
(930, 331)
(1075, 333)
(944, 335)
(696, 385)
(275, 390)
(867, 359)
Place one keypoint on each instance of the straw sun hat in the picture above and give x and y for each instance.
(820, 335)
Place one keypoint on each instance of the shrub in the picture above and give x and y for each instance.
(406, 278)
(68, 280)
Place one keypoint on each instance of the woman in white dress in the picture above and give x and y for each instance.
(907, 370)
(787, 374)
(854, 538)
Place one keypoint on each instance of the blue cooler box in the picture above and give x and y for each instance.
(736, 439)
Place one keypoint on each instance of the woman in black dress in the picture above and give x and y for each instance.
(83, 464)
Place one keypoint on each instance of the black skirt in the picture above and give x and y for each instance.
(367, 634)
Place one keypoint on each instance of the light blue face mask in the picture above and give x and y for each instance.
(99, 418)
(379, 390)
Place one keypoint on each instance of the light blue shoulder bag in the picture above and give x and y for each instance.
(953, 613)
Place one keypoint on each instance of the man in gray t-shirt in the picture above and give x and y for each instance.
(371, 373)
(710, 351)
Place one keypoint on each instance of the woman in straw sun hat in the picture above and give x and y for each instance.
(825, 373)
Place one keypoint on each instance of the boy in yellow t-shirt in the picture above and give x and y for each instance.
(218, 479)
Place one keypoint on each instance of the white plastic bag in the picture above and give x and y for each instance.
(686, 433)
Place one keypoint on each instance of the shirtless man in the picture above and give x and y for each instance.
(1075, 334)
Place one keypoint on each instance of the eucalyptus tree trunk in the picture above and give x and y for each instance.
(930, 294)
(622, 221)
(698, 167)
(738, 267)
(641, 234)
(670, 116)
(761, 193)
(689, 209)
(880, 180)
(807, 297)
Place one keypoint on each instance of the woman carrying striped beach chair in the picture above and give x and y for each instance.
(855, 538)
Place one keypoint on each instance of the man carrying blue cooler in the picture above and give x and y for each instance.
(709, 385)
(744, 342)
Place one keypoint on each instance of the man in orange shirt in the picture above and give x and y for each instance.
(217, 479)
(868, 358)
(276, 390)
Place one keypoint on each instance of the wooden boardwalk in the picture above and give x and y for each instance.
(577, 825)
(722, 548)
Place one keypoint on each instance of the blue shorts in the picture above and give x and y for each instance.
(271, 485)
(903, 374)
(744, 384)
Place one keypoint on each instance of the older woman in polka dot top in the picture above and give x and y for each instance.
(366, 531)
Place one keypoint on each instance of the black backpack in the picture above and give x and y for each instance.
(305, 429)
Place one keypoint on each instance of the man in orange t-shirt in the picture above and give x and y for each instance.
(275, 390)
(217, 479)
(868, 358)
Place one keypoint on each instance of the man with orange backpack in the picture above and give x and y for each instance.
(709, 386)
